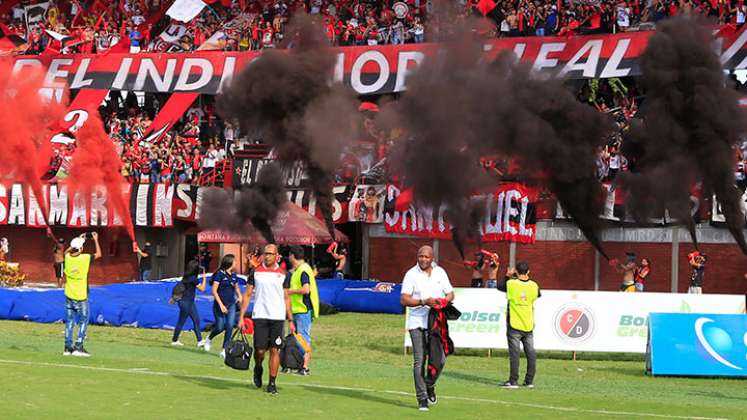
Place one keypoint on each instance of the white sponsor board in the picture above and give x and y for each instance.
(576, 320)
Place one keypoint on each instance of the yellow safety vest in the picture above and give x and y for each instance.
(297, 305)
(76, 276)
(521, 296)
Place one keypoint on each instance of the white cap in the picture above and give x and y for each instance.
(77, 243)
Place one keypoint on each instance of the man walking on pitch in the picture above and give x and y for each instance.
(269, 285)
(521, 292)
(422, 286)
(304, 298)
(77, 265)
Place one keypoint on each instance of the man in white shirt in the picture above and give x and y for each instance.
(422, 286)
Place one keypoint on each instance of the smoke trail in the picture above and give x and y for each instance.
(240, 210)
(691, 123)
(287, 95)
(23, 128)
(95, 163)
(458, 108)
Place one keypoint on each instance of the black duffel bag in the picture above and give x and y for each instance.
(238, 352)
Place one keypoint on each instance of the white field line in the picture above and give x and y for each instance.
(565, 409)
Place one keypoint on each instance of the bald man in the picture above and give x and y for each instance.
(422, 285)
(269, 286)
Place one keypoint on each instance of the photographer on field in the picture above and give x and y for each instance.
(697, 261)
(521, 292)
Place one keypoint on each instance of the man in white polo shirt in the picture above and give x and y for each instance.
(422, 285)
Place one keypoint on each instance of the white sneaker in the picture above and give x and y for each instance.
(177, 343)
(223, 354)
(202, 342)
(206, 344)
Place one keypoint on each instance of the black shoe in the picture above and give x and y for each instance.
(272, 389)
(509, 385)
(303, 372)
(285, 370)
(81, 352)
(68, 351)
(258, 376)
(423, 405)
(432, 400)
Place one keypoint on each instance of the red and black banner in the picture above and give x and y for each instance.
(509, 216)
(368, 70)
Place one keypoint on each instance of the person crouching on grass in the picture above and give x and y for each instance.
(422, 286)
(77, 265)
(227, 294)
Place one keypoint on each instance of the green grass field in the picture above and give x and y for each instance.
(358, 371)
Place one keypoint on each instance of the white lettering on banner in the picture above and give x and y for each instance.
(357, 70)
(339, 72)
(3, 204)
(589, 68)
(55, 72)
(122, 73)
(79, 215)
(206, 74)
(612, 68)
(229, 66)
(164, 197)
(186, 212)
(99, 212)
(141, 210)
(57, 205)
(569, 320)
(542, 61)
(35, 214)
(79, 116)
(519, 50)
(16, 215)
(26, 62)
(79, 80)
(403, 71)
(148, 69)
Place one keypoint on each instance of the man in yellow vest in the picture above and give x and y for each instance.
(304, 298)
(77, 265)
(521, 292)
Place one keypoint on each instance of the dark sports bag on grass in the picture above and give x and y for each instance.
(177, 293)
(291, 356)
(238, 352)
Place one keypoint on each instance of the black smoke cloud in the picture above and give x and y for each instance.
(691, 122)
(242, 209)
(458, 108)
(288, 95)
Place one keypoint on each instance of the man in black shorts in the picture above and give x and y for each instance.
(269, 285)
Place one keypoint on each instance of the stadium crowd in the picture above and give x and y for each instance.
(96, 26)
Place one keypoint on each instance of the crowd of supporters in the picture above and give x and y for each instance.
(98, 26)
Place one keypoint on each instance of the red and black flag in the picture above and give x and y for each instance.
(10, 42)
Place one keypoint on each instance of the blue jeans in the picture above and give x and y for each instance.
(224, 322)
(419, 38)
(145, 275)
(187, 309)
(639, 287)
(540, 32)
(303, 325)
(73, 309)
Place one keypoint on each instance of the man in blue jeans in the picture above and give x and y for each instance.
(77, 265)
(304, 298)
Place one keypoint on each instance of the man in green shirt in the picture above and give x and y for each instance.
(77, 265)
(521, 292)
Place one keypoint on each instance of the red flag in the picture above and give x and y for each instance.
(485, 6)
(404, 199)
